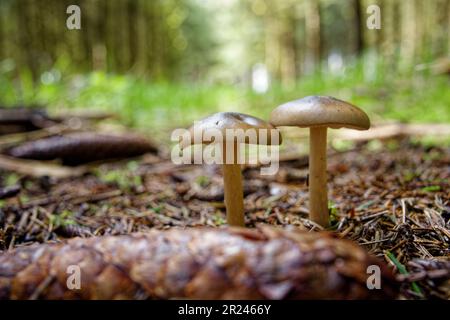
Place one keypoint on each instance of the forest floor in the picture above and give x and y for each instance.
(394, 201)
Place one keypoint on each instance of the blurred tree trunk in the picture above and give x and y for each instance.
(123, 43)
(3, 35)
(359, 26)
(109, 35)
(387, 29)
(299, 39)
(132, 17)
(313, 35)
(97, 38)
(396, 34)
(446, 27)
(140, 65)
(88, 17)
(137, 35)
(443, 27)
(51, 25)
(154, 58)
(380, 33)
(272, 44)
(288, 47)
(25, 37)
(418, 6)
(42, 33)
(408, 35)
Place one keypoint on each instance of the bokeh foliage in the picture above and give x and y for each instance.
(167, 62)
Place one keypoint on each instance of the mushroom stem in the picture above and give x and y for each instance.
(234, 199)
(232, 184)
(318, 197)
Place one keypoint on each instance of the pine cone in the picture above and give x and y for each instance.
(81, 147)
(200, 263)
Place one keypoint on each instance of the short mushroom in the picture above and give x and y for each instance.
(234, 129)
(318, 113)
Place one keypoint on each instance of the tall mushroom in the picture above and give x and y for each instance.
(235, 129)
(319, 113)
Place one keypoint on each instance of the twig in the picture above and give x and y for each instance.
(38, 168)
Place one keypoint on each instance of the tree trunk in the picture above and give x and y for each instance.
(313, 35)
(359, 26)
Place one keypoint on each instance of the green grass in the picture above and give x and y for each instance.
(63, 219)
(402, 269)
(124, 178)
(150, 106)
(431, 188)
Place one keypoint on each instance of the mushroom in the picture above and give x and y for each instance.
(319, 113)
(233, 129)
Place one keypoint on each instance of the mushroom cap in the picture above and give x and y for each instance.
(222, 121)
(318, 111)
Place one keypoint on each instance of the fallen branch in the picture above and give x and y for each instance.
(20, 119)
(201, 263)
(395, 130)
(39, 168)
(15, 138)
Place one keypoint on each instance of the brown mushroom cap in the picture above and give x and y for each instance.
(231, 120)
(318, 111)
